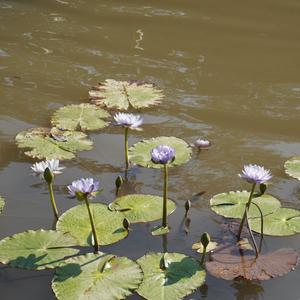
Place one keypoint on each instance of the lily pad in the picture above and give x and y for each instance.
(284, 221)
(125, 94)
(36, 250)
(232, 204)
(160, 230)
(82, 116)
(230, 262)
(292, 167)
(141, 208)
(199, 247)
(46, 143)
(1, 204)
(96, 276)
(169, 276)
(109, 224)
(140, 153)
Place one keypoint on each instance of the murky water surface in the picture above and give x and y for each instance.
(231, 73)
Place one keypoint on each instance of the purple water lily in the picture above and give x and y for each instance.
(86, 186)
(128, 120)
(162, 154)
(255, 174)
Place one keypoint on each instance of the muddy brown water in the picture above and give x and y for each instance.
(231, 73)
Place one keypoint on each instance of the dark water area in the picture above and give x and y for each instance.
(230, 72)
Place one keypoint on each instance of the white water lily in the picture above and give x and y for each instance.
(53, 165)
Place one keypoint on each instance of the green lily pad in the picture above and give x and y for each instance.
(109, 224)
(96, 276)
(140, 153)
(125, 94)
(53, 143)
(284, 221)
(36, 250)
(141, 208)
(169, 276)
(199, 247)
(1, 204)
(82, 116)
(160, 230)
(232, 204)
(292, 167)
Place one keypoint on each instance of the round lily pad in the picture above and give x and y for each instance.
(125, 94)
(82, 116)
(36, 250)
(140, 153)
(232, 204)
(109, 224)
(292, 167)
(46, 143)
(142, 208)
(283, 221)
(169, 276)
(96, 276)
(1, 204)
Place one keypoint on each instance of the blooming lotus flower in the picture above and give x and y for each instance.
(162, 154)
(128, 120)
(53, 165)
(255, 174)
(202, 143)
(84, 186)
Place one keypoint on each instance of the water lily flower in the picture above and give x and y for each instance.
(85, 186)
(162, 154)
(202, 143)
(255, 174)
(53, 165)
(128, 120)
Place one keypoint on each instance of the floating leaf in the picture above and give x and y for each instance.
(1, 204)
(125, 94)
(160, 230)
(82, 116)
(109, 224)
(179, 276)
(140, 153)
(232, 204)
(96, 276)
(284, 221)
(199, 247)
(292, 167)
(142, 208)
(36, 250)
(53, 144)
(230, 261)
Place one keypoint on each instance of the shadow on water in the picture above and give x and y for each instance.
(247, 290)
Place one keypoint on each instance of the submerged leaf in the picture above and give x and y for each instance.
(36, 250)
(53, 144)
(177, 277)
(140, 153)
(125, 94)
(96, 276)
(282, 222)
(142, 208)
(230, 262)
(109, 224)
(1, 204)
(232, 204)
(292, 167)
(82, 116)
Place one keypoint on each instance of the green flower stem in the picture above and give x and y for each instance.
(55, 212)
(96, 245)
(251, 235)
(165, 196)
(126, 150)
(203, 256)
(245, 213)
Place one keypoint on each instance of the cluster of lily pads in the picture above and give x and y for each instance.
(163, 275)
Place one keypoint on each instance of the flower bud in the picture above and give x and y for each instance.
(205, 239)
(119, 181)
(48, 175)
(126, 223)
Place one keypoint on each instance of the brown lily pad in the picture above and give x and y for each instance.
(230, 262)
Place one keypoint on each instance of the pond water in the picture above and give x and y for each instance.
(230, 72)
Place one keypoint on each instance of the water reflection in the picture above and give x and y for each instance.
(247, 290)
